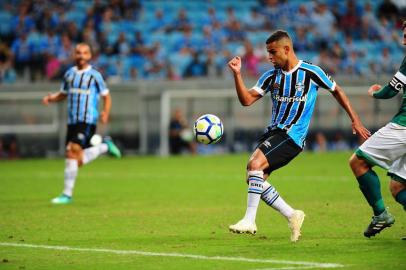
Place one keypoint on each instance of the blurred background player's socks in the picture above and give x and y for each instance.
(371, 188)
(401, 198)
(71, 171)
(92, 153)
(255, 181)
(272, 198)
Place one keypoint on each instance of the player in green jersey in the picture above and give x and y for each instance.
(387, 149)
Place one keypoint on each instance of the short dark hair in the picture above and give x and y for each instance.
(277, 35)
(404, 25)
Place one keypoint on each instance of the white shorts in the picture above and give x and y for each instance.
(387, 149)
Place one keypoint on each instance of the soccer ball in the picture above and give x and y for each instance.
(208, 129)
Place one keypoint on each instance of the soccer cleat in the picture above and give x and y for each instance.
(112, 148)
(295, 223)
(404, 238)
(379, 223)
(243, 226)
(63, 199)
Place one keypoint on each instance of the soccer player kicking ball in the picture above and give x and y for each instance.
(82, 86)
(292, 85)
(387, 149)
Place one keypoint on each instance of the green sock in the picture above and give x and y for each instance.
(370, 186)
(401, 198)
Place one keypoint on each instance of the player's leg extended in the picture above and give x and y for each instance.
(370, 186)
(256, 165)
(91, 153)
(295, 217)
(74, 155)
(369, 183)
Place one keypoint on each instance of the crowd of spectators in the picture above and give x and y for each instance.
(172, 40)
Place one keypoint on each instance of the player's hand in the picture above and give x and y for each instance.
(104, 117)
(46, 99)
(235, 64)
(359, 129)
(373, 89)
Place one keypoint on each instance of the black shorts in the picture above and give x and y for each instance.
(80, 133)
(278, 148)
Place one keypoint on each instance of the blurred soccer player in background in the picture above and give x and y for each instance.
(82, 86)
(292, 85)
(387, 149)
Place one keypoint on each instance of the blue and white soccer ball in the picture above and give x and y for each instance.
(208, 129)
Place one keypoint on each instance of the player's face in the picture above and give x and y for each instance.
(277, 54)
(82, 55)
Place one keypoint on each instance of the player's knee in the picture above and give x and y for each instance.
(395, 187)
(74, 151)
(358, 166)
(254, 165)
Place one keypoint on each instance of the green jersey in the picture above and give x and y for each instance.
(390, 90)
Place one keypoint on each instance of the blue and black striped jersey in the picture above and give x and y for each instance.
(83, 88)
(293, 96)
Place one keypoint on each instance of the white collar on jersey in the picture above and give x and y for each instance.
(293, 69)
(75, 68)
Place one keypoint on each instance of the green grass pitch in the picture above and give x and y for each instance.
(184, 205)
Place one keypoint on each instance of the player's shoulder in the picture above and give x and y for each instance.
(69, 72)
(269, 72)
(310, 66)
(95, 72)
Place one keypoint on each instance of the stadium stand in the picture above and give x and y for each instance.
(172, 40)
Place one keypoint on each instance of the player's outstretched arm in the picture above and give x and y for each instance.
(379, 92)
(55, 97)
(104, 115)
(357, 126)
(246, 96)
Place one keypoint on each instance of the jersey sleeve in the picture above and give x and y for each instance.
(323, 80)
(65, 84)
(101, 85)
(397, 84)
(263, 82)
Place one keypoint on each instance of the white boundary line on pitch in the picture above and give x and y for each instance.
(300, 265)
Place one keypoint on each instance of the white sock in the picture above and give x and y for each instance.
(255, 180)
(71, 171)
(272, 198)
(92, 153)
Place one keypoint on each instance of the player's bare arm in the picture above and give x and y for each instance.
(245, 95)
(55, 97)
(104, 115)
(357, 126)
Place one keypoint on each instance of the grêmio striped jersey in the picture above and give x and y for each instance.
(83, 88)
(293, 95)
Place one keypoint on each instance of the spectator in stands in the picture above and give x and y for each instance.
(350, 21)
(339, 143)
(22, 51)
(320, 143)
(122, 46)
(182, 21)
(255, 21)
(323, 25)
(180, 135)
(302, 18)
(196, 68)
(250, 60)
(65, 52)
(159, 23)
